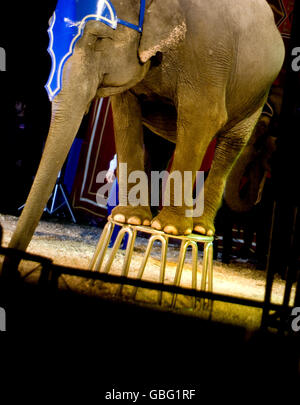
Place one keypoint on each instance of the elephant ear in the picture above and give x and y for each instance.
(164, 28)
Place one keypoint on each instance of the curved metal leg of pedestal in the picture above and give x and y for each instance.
(207, 270)
(210, 275)
(164, 246)
(183, 249)
(131, 238)
(101, 248)
(128, 255)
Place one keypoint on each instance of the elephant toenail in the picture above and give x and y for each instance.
(146, 222)
(188, 231)
(134, 221)
(119, 218)
(210, 232)
(200, 229)
(170, 229)
(156, 225)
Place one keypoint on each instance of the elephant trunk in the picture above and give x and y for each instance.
(68, 109)
(58, 144)
(62, 132)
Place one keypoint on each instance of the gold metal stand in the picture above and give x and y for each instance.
(186, 241)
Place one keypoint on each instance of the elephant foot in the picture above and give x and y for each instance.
(204, 226)
(132, 215)
(172, 223)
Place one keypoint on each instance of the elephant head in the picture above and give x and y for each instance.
(102, 49)
(246, 179)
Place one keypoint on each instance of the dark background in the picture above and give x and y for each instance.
(23, 35)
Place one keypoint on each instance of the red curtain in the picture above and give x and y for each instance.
(97, 151)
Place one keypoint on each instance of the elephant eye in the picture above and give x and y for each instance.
(100, 38)
(101, 42)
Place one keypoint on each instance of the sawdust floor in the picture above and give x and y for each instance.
(73, 245)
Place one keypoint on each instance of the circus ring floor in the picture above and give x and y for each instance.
(73, 246)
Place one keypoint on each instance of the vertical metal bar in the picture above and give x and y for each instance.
(103, 249)
(194, 268)
(204, 271)
(178, 274)
(210, 274)
(297, 293)
(204, 266)
(100, 244)
(129, 250)
(98, 247)
(210, 267)
(289, 274)
(144, 262)
(289, 278)
(115, 249)
(164, 247)
(270, 273)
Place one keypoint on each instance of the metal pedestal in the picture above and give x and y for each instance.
(186, 241)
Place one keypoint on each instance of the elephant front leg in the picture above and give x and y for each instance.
(133, 205)
(196, 126)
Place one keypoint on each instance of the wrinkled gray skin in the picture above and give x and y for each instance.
(254, 161)
(214, 62)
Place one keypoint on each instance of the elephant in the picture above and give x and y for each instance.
(254, 161)
(189, 71)
(248, 196)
